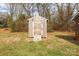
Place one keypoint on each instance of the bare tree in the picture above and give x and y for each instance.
(11, 7)
(27, 8)
(65, 12)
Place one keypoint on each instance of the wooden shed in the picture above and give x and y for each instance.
(76, 19)
(37, 26)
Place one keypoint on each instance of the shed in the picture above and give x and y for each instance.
(37, 26)
(76, 19)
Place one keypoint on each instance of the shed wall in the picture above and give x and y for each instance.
(31, 28)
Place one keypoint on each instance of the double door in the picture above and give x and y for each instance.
(37, 28)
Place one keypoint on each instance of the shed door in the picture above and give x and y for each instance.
(38, 28)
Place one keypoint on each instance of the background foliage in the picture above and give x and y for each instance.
(59, 15)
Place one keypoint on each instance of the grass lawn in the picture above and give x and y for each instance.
(56, 44)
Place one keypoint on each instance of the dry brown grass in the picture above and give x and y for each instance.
(56, 43)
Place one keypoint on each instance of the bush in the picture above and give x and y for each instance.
(49, 26)
(10, 23)
(21, 23)
(3, 23)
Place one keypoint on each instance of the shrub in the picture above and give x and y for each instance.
(21, 23)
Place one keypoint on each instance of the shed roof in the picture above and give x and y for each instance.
(40, 17)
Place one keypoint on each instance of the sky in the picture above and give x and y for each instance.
(3, 7)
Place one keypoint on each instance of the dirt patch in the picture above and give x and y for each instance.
(5, 30)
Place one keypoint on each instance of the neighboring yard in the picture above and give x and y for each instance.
(57, 44)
